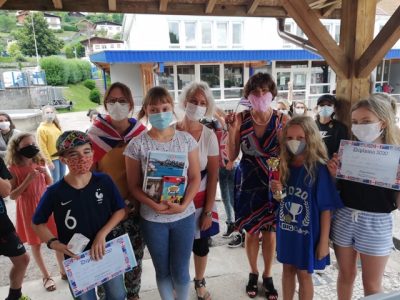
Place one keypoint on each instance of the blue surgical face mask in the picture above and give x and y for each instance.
(161, 120)
(326, 111)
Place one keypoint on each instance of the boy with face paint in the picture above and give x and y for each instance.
(332, 131)
(82, 202)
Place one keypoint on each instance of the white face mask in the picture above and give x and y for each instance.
(4, 125)
(367, 132)
(283, 111)
(299, 111)
(195, 112)
(118, 111)
(296, 147)
(49, 117)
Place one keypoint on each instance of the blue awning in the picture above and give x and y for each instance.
(185, 56)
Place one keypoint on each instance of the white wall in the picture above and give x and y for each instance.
(129, 74)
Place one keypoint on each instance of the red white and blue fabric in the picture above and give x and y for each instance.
(104, 137)
(199, 201)
(222, 136)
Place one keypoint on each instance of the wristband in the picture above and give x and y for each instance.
(50, 241)
(208, 214)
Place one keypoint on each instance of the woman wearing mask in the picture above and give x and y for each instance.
(47, 134)
(283, 107)
(197, 100)
(7, 130)
(299, 108)
(255, 132)
(110, 134)
(332, 131)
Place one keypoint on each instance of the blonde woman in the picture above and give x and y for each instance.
(47, 134)
(304, 215)
(364, 226)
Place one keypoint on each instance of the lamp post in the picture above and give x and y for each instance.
(34, 38)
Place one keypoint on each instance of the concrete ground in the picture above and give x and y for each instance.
(227, 270)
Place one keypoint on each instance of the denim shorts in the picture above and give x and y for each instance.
(367, 232)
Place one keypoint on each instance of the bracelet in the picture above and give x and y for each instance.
(50, 241)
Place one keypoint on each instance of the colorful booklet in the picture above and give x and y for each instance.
(173, 188)
(160, 164)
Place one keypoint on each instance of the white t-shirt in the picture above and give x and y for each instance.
(208, 146)
(138, 149)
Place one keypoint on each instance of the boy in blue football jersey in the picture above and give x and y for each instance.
(82, 202)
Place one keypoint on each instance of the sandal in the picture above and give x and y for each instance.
(270, 292)
(49, 284)
(63, 276)
(198, 284)
(252, 285)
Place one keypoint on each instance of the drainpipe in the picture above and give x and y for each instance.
(294, 39)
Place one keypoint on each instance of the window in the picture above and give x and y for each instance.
(206, 37)
(185, 75)
(337, 33)
(112, 46)
(233, 81)
(210, 74)
(104, 46)
(173, 33)
(118, 45)
(222, 35)
(300, 33)
(166, 79)
(282, 80)
(190, 34)
(288, 28)
(96, 46)
(237, 34)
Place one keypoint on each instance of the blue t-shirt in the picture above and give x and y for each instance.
(83, 211)
(298, 228)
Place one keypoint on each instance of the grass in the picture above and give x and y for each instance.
(79, 95)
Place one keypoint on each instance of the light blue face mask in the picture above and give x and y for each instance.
(161, 120)
(326, 111)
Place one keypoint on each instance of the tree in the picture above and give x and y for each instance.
(47, 43)
(13, 49)
(7, 22)
(78, 47)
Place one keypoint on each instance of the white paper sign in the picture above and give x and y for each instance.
(85, 274)
(375, 164)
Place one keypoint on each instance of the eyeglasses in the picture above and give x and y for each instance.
(121, 100)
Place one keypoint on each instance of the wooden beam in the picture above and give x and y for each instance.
(163, 5)
(112, 5)
(317, 34)
(2, 2)
(316, 4)
(327, 11)
(57, 4)
(253, 7)
(210, 6)
(382, 43)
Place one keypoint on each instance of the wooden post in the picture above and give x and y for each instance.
(356, 34)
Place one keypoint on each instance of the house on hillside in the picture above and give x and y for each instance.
(21, 15)
(110, 27)
(97, 44)
(53, 21)
(225, 52)
(76, 14)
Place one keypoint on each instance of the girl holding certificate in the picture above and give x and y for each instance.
(304, 215)
(168, 228)
(364, 225)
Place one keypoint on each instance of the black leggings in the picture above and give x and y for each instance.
(200, 247)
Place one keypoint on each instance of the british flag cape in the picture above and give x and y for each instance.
(104, 137)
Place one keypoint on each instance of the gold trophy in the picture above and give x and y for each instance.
(273, 165)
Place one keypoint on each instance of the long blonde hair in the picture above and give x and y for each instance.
(384, 111)
(12, 155)
(315, 151)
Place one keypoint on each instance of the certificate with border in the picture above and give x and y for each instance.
(85, 274)
(374, 164)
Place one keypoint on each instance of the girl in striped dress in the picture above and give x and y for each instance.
(255, 133)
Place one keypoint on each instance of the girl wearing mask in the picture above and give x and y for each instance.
(197, 101)
(110, 134)
(332, 131)
(47, 134)
(168, 228)
(364, 226)
(299, 108)
(7, 130)
(283, 107)
(304, 215)
(255, 132)
(29, 181)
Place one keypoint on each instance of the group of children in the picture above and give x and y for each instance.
(315, 209)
